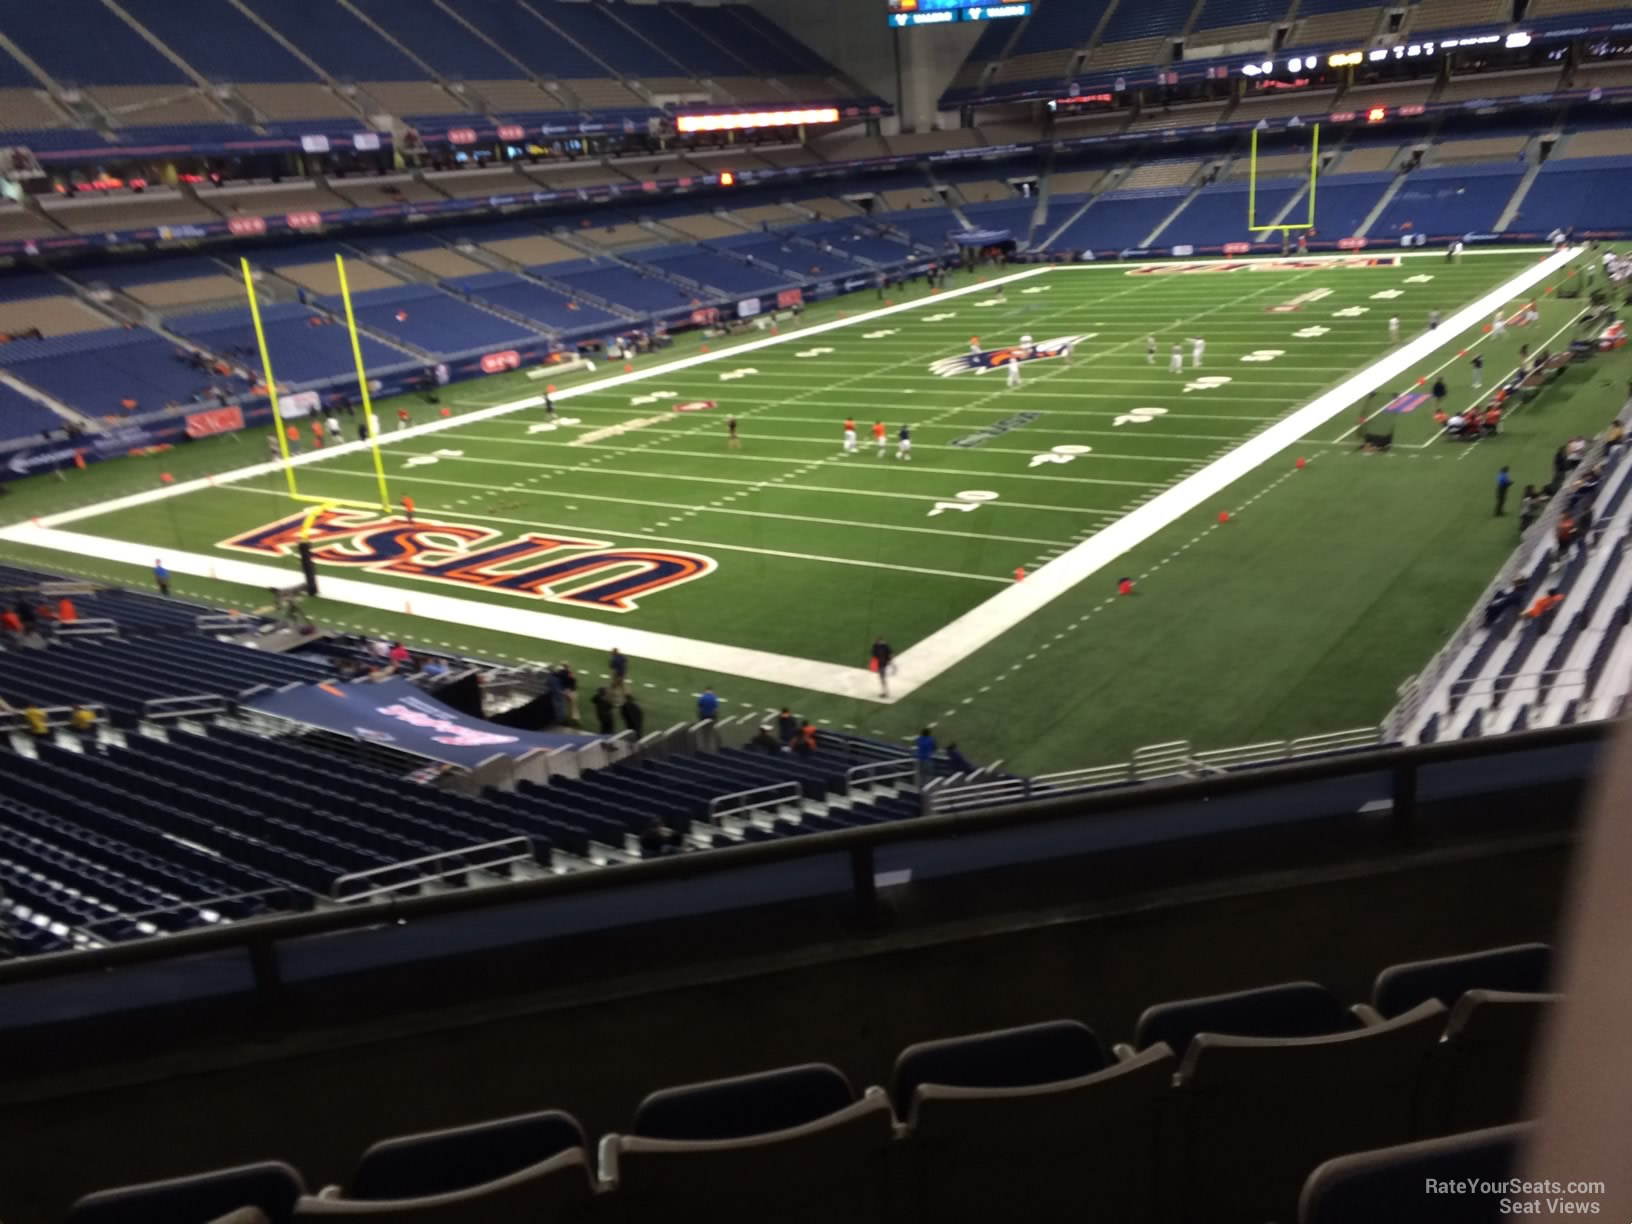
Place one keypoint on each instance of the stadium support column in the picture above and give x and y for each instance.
(929, 57)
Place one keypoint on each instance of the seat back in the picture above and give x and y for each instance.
(1256, 1115)
(1293, 1009)
(832, 1169)
(1079, 1148)
(1521, 969)
(1476, 1076)
(441, 1162)
(559, 1190)
(244, 1215)
(1006, 1058)
(1390, 1183)
(744, 1105)
(271, 1186)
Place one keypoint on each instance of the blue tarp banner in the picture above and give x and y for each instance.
(399, 713)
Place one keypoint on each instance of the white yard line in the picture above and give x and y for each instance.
(915, 667)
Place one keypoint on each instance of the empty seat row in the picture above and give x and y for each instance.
(1041, 1122)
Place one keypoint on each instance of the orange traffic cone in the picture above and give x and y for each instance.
(1019, 573)
(1223, 516)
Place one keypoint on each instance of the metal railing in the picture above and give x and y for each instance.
(877, 773)
(761, 799)
(1153, 763)
(89, 626)
(55, 716)
(507, 850)
(196, 705)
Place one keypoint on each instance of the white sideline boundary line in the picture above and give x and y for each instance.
(913, 668)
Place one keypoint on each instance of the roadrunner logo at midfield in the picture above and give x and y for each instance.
(594, 574)
(996, 359)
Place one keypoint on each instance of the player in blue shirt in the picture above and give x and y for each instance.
(708, 705)
(903, 446)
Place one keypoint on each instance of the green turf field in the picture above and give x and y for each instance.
(1329, 586)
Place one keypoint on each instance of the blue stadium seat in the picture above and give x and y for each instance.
(337, 40)
(598, 30)
(1296, 1009)
(722, 1151)
(428, 319)
(22, 416)
(271, 1187)
(219, 41)
(524, 36)
(95, 371)
(1257, 1113)
(1045, 1105)
(440, 39)
(1449, 201)
(1392, 1183)
(1478, 1074)
(1055, 24)
(1522, 968)
(80, 43)
(442, 1162)
(1130, 21)
(548, 308)
(1009, 1058)
(744, 1106)
(1588, 193)
(1118, 220)
(303, 352)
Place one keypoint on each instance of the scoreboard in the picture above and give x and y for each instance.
(905, 13)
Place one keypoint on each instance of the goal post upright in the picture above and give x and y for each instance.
(362, 383)
(1252, 188)
(267, 375)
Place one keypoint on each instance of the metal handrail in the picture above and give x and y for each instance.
(185, 707)
(464, 852)
(880, 771)
(12, 719)
(1152, 762)
(89, 626)
(776, 795)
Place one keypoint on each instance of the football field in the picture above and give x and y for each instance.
(767, 565)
